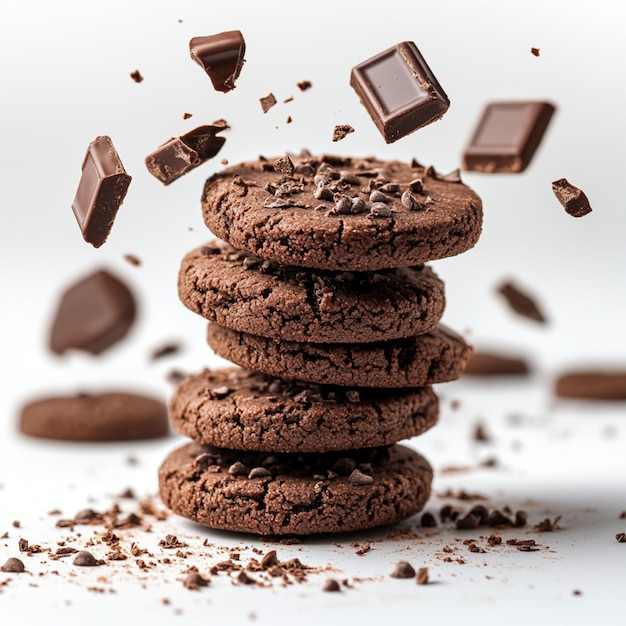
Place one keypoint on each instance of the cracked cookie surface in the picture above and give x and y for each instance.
(238, 290)
(434, 357)
(341, 213)
(244, 410)
(278, 494)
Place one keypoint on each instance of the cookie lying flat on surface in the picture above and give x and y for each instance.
(113, 416)
(278, 494)
(240, 291)
(342, 214)
(243, 410)
(434, 357)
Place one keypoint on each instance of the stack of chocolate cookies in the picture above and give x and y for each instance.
(318, 291)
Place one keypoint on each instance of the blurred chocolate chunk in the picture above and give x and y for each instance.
(136, 76)
(573, 200)
(267, 102)
(341, 130)
(179, 155)
(101, 190)
(399, 91)
(221, 56)
(521, 302)
(93, 314)
(507, 136)
(496, 364)
(592, 385)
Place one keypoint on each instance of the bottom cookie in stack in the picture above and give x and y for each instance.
(295, 458)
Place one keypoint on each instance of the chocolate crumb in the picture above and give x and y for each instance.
(341, 130)
(403, 570)
(353, 396)
(244, 579)
(548, 525)
(269, 560)
(284, 165)
(194, 581)
(480, 434)
(186, 116)
(13, 566)
(16, 524)
(620, 537)
(303, 85)
(572, 199)
(165, 350)
(422, 576)
(468, 522)
(331, 585)
(136, 76)
(521, 302)
(259, 472)
(86, 559)
(132, 259)
(535, 51)
(288, 120)
(577, 592)
(267, 102)
(428, 520)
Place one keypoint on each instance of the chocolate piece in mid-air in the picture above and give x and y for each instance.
(220, 56)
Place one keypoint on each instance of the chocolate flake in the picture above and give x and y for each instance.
(267, 102)
(167, 349)
(132, 259)
(535, 51)
(284, 165)
(403, 569)
(521, 302)
(221, 56)
(194, 581)
(86, 559)
(303, 85)
(341, 130)
(572, 199)
(620, 537)
(136, 76)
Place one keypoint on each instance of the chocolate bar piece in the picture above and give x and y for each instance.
(521, 302)
(572, 199)
(220, 56)
(592, 385)
(101, 191)
(93, 314)
(507, 136)
(496, 364)
(181, 154)
(399, 91)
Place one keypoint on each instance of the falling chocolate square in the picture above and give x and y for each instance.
(179, 155)
(399, 91)
(507, 136)
(220, 56)
(101, 191)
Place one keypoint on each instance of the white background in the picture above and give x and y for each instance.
(64, 79)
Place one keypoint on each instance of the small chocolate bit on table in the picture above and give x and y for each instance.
(341, 130)
(303, 85)
(495, 364)
(101, 191)
(13, 565)
(86, 559)
(136, 76)
(403, 570)
(422, 576)
(220, 56)
(507, 136)
(132, 259)
(592, 385)
(399, 91)
(179, 155)
(573, 199)
(267, 102)
(521, 302)
(331, 585)
(93, 314)
(535, 51)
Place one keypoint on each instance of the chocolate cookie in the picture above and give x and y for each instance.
(434, 357)
(243, 410)
(278, 494)
(342, 214)
(114, 416)
(242, 292)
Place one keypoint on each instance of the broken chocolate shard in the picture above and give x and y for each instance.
(179, 155)
(521, 303)
(93, 314)
(221, 56)
(399, 91)
(136, 76)
(572, 199)
(267, 102)
(101, 191)
(341, 130)
(507, 136)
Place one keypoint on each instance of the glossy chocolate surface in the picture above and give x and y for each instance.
(399, 91)
(220, 56)
(507, 136)
(101, 191)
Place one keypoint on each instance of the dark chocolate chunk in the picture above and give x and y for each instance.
(194, 581)
(267, 102)
(220, 56)
(86, 559)
(331, 585)
(573, 200)
(136, 76)
(303, 85)
(495, 364)
(428, 520)
(403, 570)
(284, 165)
(167, 349)
(101, 191)
(269, 560)
(93, 314)
(535, 51)
(341, 130)
(619, 537)
(179, 155)
(422, 576)
(521, 302)
(399, 91)
(13, 566)
(357, 477)
(507, 136)
(132, 259)
(592, 385)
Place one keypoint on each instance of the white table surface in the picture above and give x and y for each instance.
(65, 79)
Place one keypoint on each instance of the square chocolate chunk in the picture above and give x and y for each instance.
(507, 136)
(399, 91)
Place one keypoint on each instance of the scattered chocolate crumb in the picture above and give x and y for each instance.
(303, 85)
(171, 541)
(577, 592)
(132, 259)
(403, 570)
(331, 585)
(194, 581)
(341, 130)
(523, 545)
(16, 524)
(622, 515)
(422, 576)
(548, 525)
(288, 120)
(494, 540)
(13, 566)
(267, 102)
(521, 302)
(186, 116)
(224, 161)
(480, 434)
(136, 76)
(428, 520)
(572, 199)
(535, 51)
(269, 560)
(175, 377)
(244, 579)
(357, 477)
(284, 165)
(620, 537)
(166, 349)
(86, 559)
